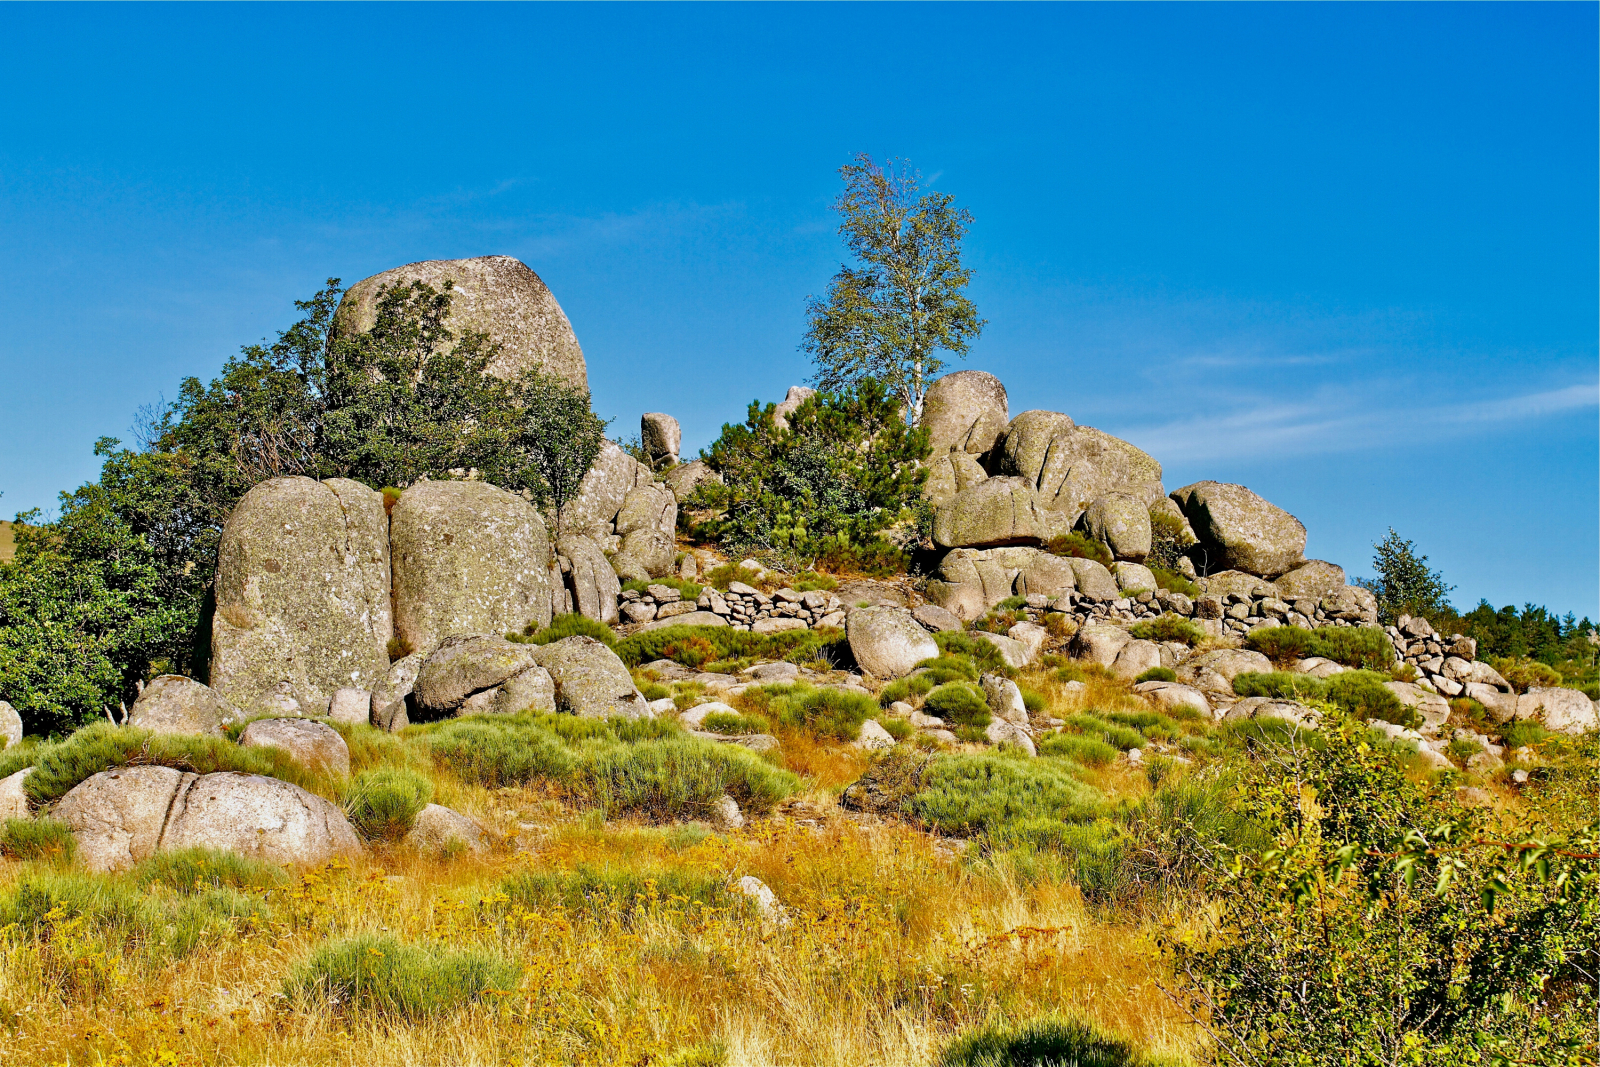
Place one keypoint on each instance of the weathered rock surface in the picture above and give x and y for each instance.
(1564, 710)
(873, 737)
(590, 680)
(685, 478)
(797, 395)
(1001, 732)
(1133, 577)
(610, 478)
(1014, 652)
(173, 704)
(887, 642)
(1241, 531)
(468, 664)
(351, 705)
(647, 523)
(313, 745)
(468, 559)
(1031, 635)
(302, 593)
(935, 618)
(1135, 658)
(1313, 579)
(10, 726)
(1213, 672)
(389, 697)
(1093, 579)
(949, 474)
(127, 814)
(1005, 698)
(13, 799)
(497, 295)
(1239, 583)
(530, 690)
(1070, 466)
(692, 618)
(1046, 575)
(1173, 696)
(1098, 642)
(591, 580)
(439, 829)
(1434, 709)
(964, 412)
(1122, 522)
(997, 511)
(1269, 708)
(661, 437)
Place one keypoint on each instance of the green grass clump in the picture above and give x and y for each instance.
(983, 655)
(1012, 603)
(986, 792)
(1280, 685)
(563, 626)
(101, 746)
(37, 839)
(677, 776)
(1152, 724)
(1524, 673)
(1168, 627)
(1076, 544)
(1158, 674)
(829, 712)
(1359, 647)
(1093, 726)
(194, 870)
(614, 893)
(1173, 582)
(725, 722)
(1362, 694)
(1281, 644)
(1523, 732)
(384, 802)
(731, 647)
(724, 575)
(1046, 1042)
(18, 756)
(689, 590)
(376, 973)
(898, 729)
(1033, 700)
(1462, 749)
(959, 702)
(498, 751)
(1090, 751)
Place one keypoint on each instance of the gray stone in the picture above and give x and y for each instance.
(313, 745)
(638, 611)
(439, 829)
(887, 642)
(694, 718)
(590, 680)
(610, 478)
(1001, 732)
(1032, 637)
(1133, 577)
(468, 559)
(1005, 699)
(10, 725)
(797, 395)
(1164, 508)
(1434, 709)
(13, 798)
(873, 737)
(1563, 710)
(1313, 579)
(1098, 642)
(497, 295)
(287, 538)
(1070, 466)
(1123, 523)
(693, 618)
(529, 690)
(389, 697)
(351, 706)
(766, 901)
(466, 665)
(1172, 696)
(1094, 581)
(173, 704)
(773, 672)
(1046, 575)
(999, 511)
(949, 474)
(776, 626)
(685, 478)
(661, 437)
(1241, 531)
(1269, 708)
(1135, 658)
(725, 813)
(1317, 667)
(648, 522)
(1224, 664)
(1014, 652)
(1502, 707)
(964, 412)
(592, 580)
(1239, 584)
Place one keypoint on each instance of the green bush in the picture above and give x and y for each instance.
(898, 729)
(1282, 644)
(1280, 685)
(1012, 603)
(959, 702)
(729, 644)
(731, 722)
(383, 803)
(1090, 751)
(1046, 1042)
(611, 892)
(982, 654)
(1173, 582)
(101, 746)
(1463, 749)
(828, 712)
(1152, 724)
(379, 974)
(1158, 674)
(496, 751)
(195, 870)
(1032, 700)
(1524, 673)
(725, 574)
(679, 776)
(1076, 544)
(1093, 726)
(1360, 647)
(1362, 694)
(562, 626)
(1521, 732)
(1168, 627)
(875, 559)
(987, 792)
(653, 691)
(16, 757)
(37, 839)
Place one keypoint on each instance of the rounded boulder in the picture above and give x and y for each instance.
(997, 511)
(888, 642)
(590, 680)
(1241, 531)
(173, 704)
(313, 745)
(964, 412)
(1122, 522)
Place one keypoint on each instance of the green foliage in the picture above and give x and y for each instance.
(1524, 674)
(1168, 627)
(614, 893)
(1012, 603)
(898, 729)
(497, 752)
(1363, 647)
(875, 559)
(1045, 1042)
(1403, 583)
(1281, 685)
(731, 722)
(1281, 644)
(1089, 751)
(889, 317)
(983, 654)
(846, 468)
(1081, 546)
(15, 757)
(1152, 724)
(828, 712)
(1032, 700)
(37, 839)
(1363, 695)
(194, 870)
(101, 746)
(1158, 674)
(379, 974)
(1094, 726)
(729, 644)
(959, 702)
(384, 802)
(724, 574)
(990, 792)
(1174, 582)
(1567, 644)
(1523, 732)
(563, 626)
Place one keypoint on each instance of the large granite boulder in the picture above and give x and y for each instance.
(797, 395)
(964, 412)
(590, 578)
(1173, 696)
(998, 511)
(661, 437)
(1239, 530)
(1564, 710)
(1093, 579)
(685, 478)
(1434, 709)
(13, 797)
(1047, 575)
(465, 665)
(647, 522)
(949, 474)
(496, 295)
(1239, 583)
(173, 704)
(1214, 672)
(469, 558)
(590, 680)
(1122, 522)
(126, 814)
(312, 744)
(10, 726)
(389, 710)
(610, 478)
(888, 642)
(1313, 580)
(1099, 642)
(1071, 466)
(438, 829)
(302, 594)
(1133, 578)
(1136, 657)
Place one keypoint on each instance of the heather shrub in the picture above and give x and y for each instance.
(1168, 627)
(1280, 685)
(562, 626)
(1158, 674)
(1282, 644)
(1089, 751)
(1093, 726)
(384, 802)
(1046, 1042)
(827, 712)
(989, 792)
(958, 702)
(1524, 673)
(723, 722)
(498, 751)
(1076, 544)
(1361, 647)
(1363, 695)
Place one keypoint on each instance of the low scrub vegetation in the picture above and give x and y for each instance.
(384, 976)
(730, 649)
(1168, 628)
(1362, 647)
(1081, 546)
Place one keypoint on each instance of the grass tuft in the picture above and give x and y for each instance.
(373, 973)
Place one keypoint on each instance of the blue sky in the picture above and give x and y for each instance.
(1343, 254)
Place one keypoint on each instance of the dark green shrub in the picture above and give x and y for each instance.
(1076, 544)
(574, 729)
(1151, 724)
(1522, 732)
(1281, 685)
(1012, 603)
(1093, 726)
(982, 654)
(1463, 749)
(379, 974)
(1363, 694)
(1361, 647)
(194, 870)
(384, 802)
(988, 792)
(724, 722)
(875, 559)
(562, 626)
(1032, 700)
(1158, 674)
(950, 668)
(898, 729)
(1168, 627)
(1282, 644)
(1090, 751)
(729, 644)
(653, 691)
(958, 702)
(1174, 582)
(679, 776)
(37, 839)
(1524, 673)
(692, 651)
(828, 712)
(496, 751)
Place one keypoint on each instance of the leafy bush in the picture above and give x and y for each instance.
(1168, 627)
(959, 702)
(1524, 673)
(726, 722)
(1090, 751)
(379, 974)
(1076, 544)
(1363, 694)
(796, 646)
(496, 752)
(1093, 726)
(194, 870)
(1158, 674)
(988, 792)
(562, 626)
(1280, 685)
(1281, 644)
(1047, 1042)
(1012, 603)
(1361, 647)
(828, 712)
(384, 802)
(36, 839)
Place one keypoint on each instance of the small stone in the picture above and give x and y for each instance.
(725, 813)
(874, 737)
